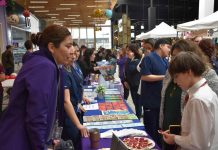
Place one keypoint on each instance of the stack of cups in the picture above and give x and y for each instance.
(94, 138)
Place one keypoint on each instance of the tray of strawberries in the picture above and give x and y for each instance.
(138, 143)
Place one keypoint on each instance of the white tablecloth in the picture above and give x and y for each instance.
(8, 83)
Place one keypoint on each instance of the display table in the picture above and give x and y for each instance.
(106, 142)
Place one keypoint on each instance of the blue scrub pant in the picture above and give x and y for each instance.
(151, 123)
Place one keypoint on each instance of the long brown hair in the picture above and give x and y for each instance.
(134, 48)
(189, 46)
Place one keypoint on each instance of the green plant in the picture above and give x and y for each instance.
(100, 89)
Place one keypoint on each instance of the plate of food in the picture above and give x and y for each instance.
(138, 143)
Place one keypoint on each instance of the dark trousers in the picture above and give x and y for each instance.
(151, 122)
(136, 101)
(71, 132)
(126, 91)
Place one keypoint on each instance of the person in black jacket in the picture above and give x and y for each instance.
(8, 60)
(132, 76)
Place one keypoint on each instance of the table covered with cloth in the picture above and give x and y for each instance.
(106, 142)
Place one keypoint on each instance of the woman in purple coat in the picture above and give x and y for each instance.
(29, 119)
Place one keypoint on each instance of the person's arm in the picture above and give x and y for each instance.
(40, 80)
(151, 77)
(121, 61)
(68, 107)
(146, 74)
(2, 74)
(201, 126)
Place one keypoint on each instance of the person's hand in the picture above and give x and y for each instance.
(126, 85)
(56, 143)
(168, 138)
(86, 100)
(82, 108)
(84, 131)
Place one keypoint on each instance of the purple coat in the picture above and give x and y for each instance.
(27, 122)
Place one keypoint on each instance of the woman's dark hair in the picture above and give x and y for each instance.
(87, 54)
(109, 54)
(149, 41)
(35, 38)
(135, 49)
(28, 44)
(54, 34)
(190, 46)
(207, 47)
(160, 42)
(186, 61)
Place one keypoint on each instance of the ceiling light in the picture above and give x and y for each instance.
(63, 8)
(68, 4)
(36, 6)
(89, 16)
(38, 2)
(73, 15)
(60, 21)
(69, 18)
(102, 1)
(53, 17)
(41, 10)
(92, 6)
(76, 20)
(53, 14)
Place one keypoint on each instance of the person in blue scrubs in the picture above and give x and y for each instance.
(28, 122)
(73, 129)
(153, 69)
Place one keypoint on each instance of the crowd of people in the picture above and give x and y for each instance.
(170, 84)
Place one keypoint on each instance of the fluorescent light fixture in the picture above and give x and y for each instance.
(91, 6)
(41, 10)
(68, 4)
(53, 14)
(36, 6)
(69, 18)
(73, 15)
(63, 8)
(102, 1)
(132, 27)
(76, 20)
(38, 2)
(142, 27)
(60, 21)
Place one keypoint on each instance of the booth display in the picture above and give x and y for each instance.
(162, 30)
(208, 22)
(115, 117)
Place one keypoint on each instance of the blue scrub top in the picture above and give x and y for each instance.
(78, 76)
(70, 83)
(151, 91)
